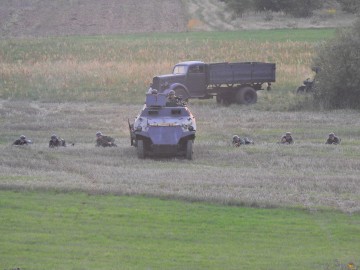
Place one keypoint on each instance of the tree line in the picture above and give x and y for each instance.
(296, 8)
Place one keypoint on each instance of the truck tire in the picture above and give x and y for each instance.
(140, 149)
(189, 149)
(246, 95)
(181, 92)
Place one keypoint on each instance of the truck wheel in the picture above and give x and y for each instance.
(140, 149)
(181, 92)
(246, 95)
(189, 149)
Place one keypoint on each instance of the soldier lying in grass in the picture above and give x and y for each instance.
(332, 139)
(56, 141)
(237, 141)
(22, 141)
(287, 138)
(104, 141)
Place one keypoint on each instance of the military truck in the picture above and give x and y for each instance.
(227, 82)
(163, 128)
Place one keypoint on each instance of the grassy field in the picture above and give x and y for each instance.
(77, 231)
(120, 68)
(304, 198)
(308, 174)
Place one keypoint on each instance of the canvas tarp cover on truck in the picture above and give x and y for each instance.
(235, 73)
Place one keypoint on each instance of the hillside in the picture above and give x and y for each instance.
(23, 18)
(40, 18)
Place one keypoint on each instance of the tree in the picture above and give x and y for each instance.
(350, 6)
(338, 81)
(238, 7)
(296, 8)
(300, 8)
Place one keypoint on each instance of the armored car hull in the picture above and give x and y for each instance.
(163, 129)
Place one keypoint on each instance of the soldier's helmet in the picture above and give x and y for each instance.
(236, 138)
(288, 133)
(98, 134)
(22, 137)
(53, 137)
(332, 134)
(154, 91)
(171, 92)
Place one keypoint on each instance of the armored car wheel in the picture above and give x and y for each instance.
(140, 149)
(189, 149)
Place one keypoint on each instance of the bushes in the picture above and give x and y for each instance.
(297, 8)
(301, 8)
(338, 82)
(350, 6)
(238, 7)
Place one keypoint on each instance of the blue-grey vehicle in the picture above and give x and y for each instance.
(227, 82)
(163, 128)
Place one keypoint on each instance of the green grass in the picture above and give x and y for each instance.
(118, 48)
(78, 231)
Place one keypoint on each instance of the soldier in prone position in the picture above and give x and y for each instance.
(237, 141)
(56, 141)
(22, 141)
(104, 141)
(287, 138)
(332, 139)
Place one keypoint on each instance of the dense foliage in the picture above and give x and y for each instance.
(297, 8)
(338, 82)
(350, 6)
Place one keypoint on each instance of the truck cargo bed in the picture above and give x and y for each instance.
(240, 73)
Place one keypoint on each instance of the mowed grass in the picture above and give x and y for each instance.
(308, 175)
(77, 231)
(120, 68)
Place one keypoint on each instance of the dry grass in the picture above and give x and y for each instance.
(308, 174)
(117, 70)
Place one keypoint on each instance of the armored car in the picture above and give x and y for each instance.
(163, 128)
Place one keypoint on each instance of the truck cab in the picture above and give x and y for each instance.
(188, 79)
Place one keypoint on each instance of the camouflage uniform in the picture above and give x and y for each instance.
(287, 139)
(332, 139)
(56, 141)
(104, 141)
(172, 100)
(22, 141)
(237, 141)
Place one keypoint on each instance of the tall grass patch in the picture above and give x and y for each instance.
(120, 68)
